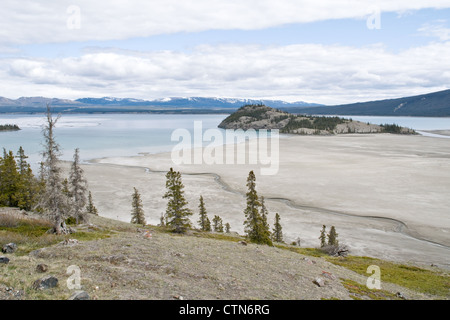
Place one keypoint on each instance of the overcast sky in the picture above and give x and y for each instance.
(322, 51)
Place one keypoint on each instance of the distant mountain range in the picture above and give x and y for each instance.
(436, 104)
(110, 104)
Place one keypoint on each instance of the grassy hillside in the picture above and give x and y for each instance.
(123, 261)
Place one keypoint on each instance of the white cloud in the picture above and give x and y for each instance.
(45, 21)
(310, 72)
(436, 29)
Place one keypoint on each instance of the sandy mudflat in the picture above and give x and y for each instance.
(439, 132)
(387, 195)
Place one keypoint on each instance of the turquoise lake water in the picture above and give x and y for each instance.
(100, 136)
(108, 135)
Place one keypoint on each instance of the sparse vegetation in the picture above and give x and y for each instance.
(316, 123)
(360, 292)
(415, 278)
(396, 129)
(31, 233)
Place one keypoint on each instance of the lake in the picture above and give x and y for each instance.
(101, 135)
(109, 135)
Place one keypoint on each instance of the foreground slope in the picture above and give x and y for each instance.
(118, 260)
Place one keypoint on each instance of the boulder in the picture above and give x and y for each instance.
(319, 282)
(400, 295)
(9, 248)
(4, 260)
(79, 295)
(69, 242)
(309, 261)
(45, 283)
(41, 268)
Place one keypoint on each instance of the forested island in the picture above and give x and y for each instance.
(263, 117)
(9, 127)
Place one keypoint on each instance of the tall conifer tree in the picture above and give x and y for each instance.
(277, 234)
(323, 236)
(265, 228)
(28, 184)
(53, 199)
(177, 214)
(9, 180)
(90, 206)
(254, 224)
(204, 222)
(217, 224)
(332, 237)
(78, 188)
(137, 211)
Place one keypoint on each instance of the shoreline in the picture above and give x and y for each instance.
(445, 133)
(368, 232)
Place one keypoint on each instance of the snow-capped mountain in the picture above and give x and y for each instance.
(113, 104)
(194, 102)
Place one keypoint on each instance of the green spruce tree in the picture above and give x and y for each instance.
(177, 214)
(137, 211)
(332, 237)
(277, 234)
(227, 228)
(217, 224)
(323, 236)
(90, 206)
(9, 180)
(205, 224)
(29, 187)
(78, 188)
(254, 224)
(265, 228)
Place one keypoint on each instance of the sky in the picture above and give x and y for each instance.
(322, 51)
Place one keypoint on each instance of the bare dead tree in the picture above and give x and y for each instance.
(53, 201)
